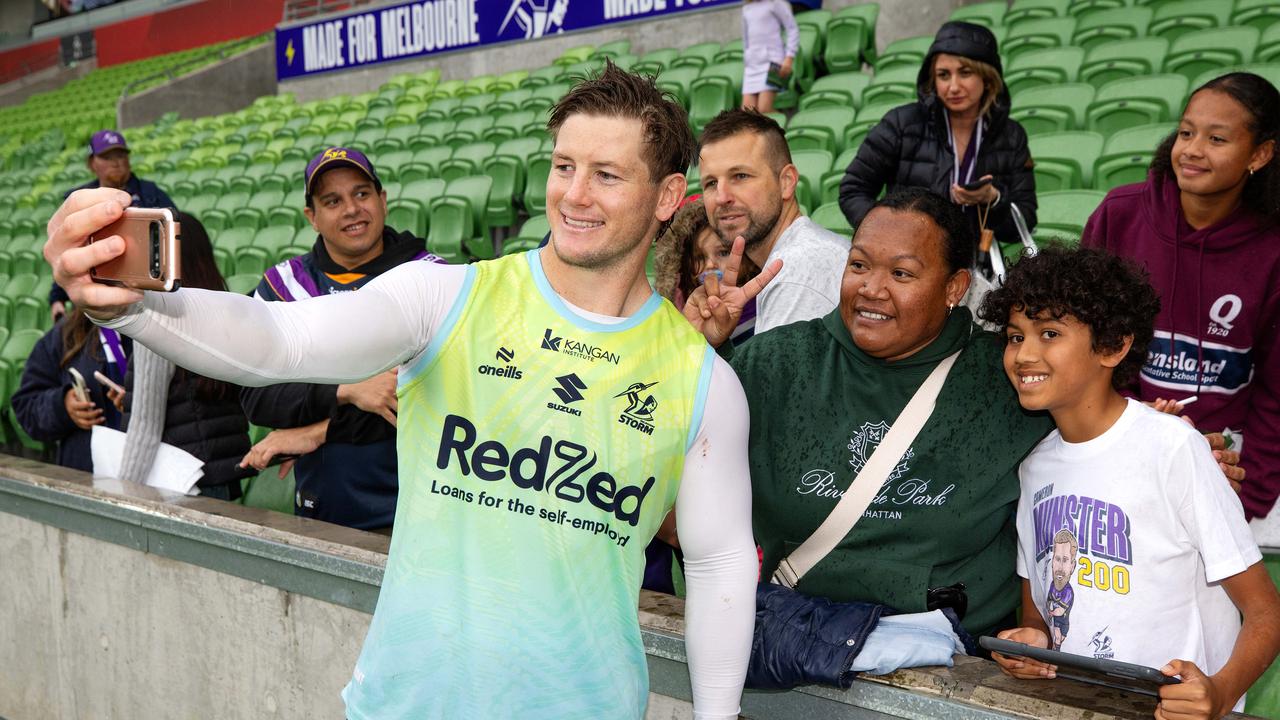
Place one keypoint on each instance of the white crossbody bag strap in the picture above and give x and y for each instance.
(868, 481)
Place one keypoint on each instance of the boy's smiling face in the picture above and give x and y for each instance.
(1051, 361)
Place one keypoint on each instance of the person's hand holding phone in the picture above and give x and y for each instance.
(1020, 667)
(980, 192)
(82, 412)
(82, 214)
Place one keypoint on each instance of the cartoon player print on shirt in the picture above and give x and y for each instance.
(1061, 595)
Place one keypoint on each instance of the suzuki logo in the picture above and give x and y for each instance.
(550, 343)
(569, 386)
(505, 355)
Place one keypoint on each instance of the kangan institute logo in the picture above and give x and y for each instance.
(536, 18)
(576, 348)
(866, 440)
(639, 411)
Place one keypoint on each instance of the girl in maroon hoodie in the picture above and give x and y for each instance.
(1206, 224)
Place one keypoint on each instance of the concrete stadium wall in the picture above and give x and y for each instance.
(220, 88)
(898, 19)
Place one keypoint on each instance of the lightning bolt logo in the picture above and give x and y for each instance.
(288, 52)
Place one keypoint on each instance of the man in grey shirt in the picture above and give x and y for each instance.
(749, 189)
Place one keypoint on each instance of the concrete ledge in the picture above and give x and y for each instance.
(119, 600)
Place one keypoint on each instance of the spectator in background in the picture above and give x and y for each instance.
(109, 162)
(344, 435)
(1206, 225)
(749, 189)
(957, 134)
(197, 414)
(766, 63)
(46, 404)
(688, 249)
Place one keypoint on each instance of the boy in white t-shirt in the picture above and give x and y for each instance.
(1132, 545)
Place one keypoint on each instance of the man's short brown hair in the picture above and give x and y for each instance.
(668, 144)
(739, 120)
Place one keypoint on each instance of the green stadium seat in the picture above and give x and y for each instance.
(451, 226)
(252, 260)
(1038, 33)
(469, 130)
(1269, 45)
(988, 14)
(655, 61)
(274, 237)
(288, 216)
(812, 165)
(908, 52)
(466, 160)
(1052, 108)
(541, 76)
(709, 97)
(1127, 154)
(233, 238)
(678, 80)
(433, 157)
(1103, 26)
(292, 251)
(1260, 14)
(507, 175)
(1127, 58)
(1046, 66)
(477, 104)
(1269, 71)
(1136, 101)
(248, 217)
(415, 171)
(545, 96)
(572, 74)
(1194, 54)
(730, 51)
(509, 102)
(535, 187)
(510, 80)
(1063, 214)
(897, 84)
(845, 44)
(1174, 19)
(697, 56)
(13, 356)
(1064, 160)
(868, 117)
(213, 219)
(536, 227)
(423, 191)
(22, 284)
(389, 163)
(512, 125)
(264, 200)
(819, 128)
(830, 216)
(243, 284)
(867, 13)
(406, 214)
(475, 190)
(573, 55)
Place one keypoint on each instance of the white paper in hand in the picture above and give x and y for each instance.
(174, 469)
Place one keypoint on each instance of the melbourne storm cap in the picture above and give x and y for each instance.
(336, 157)
(105, 140)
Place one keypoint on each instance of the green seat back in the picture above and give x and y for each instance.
(1260, 14)
(1052, 108)
(1136, 101)
(1064, 160)
(987, 14)
(1045, 66)
(1115, 60)
(406, 214)
(1175, 19)
(1194, 54)
(1064, 212)
(829, 216)
(1038, 33)
(1127, 154)
(450, 222)
(1103, 26)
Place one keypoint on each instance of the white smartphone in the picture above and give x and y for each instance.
(111, 384)
(78, 385)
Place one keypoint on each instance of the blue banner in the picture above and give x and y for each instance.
(426, 27)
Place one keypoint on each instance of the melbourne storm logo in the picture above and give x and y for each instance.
(639, 411)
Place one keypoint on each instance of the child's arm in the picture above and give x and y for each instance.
(1200, 696)
(1033, 632)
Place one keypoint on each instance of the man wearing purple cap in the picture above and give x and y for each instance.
(109, 161)
(344, 435)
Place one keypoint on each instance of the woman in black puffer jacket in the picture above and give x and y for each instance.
(962, 95)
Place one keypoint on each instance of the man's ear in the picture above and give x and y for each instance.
(788, 179)
(1113, 358)
(311, 217)
(672, 192)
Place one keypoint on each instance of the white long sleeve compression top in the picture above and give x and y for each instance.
(349, 337)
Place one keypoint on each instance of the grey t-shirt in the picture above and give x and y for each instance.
(808, 285)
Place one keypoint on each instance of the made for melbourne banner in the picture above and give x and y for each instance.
(426, 27)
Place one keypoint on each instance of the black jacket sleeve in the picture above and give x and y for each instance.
(1016, 182)
(38, 403)
(872, 168)
(289, 405)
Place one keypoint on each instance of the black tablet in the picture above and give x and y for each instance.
(1111, 673)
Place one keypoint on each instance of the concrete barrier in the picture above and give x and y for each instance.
(121, 601)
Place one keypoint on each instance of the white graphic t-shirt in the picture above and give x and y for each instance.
(1125, 538)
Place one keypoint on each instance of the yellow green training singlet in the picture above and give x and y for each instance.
(539, 452)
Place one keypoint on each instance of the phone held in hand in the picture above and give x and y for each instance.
(103, 379)
(78, 385)
(152, 254)
(977, 184)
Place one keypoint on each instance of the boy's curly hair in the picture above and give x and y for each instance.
(1109, 294)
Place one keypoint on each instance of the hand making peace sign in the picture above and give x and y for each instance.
(715, 307)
